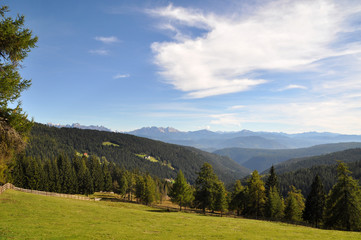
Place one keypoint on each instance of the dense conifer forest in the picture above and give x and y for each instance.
(49, 142)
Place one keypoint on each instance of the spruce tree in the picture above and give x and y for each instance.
(294, 205)
(237, 198)
(148, 196)
(274, 205)
(256, 196)
(108, 185)
(315, 203)
(343, 204)
(274, 202)
(205, 187)
(16, 41)
(220, 202)
(180, 192)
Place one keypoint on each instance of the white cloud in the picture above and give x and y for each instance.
(292, 86)
(226, 119)
(118, 76)
(107, 40)
(281, 36)
(102, 52)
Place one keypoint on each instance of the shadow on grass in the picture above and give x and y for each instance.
(161, 210)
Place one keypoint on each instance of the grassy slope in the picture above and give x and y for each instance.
(27, 216)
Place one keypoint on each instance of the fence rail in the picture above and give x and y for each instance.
(63, 195)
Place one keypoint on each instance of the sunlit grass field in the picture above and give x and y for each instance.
(27, 216)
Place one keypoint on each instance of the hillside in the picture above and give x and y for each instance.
(303, 177)
(349, 155)
(28, 216)
(262, 159)
(125, 150)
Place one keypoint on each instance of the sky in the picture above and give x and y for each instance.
(280, 66)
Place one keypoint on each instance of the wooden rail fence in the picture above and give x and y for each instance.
(63, 195)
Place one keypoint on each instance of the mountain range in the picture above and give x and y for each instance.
(262, 159)
(211, 141)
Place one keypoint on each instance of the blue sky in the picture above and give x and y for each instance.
(290, 66)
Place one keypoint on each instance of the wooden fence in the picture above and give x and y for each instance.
(63, 195)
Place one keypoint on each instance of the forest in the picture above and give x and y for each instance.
(338, 208)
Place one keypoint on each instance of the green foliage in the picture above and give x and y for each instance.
(48, 142)
(237, 198)
(205, 187)
(255, 196)
(294, 205)
(274, 205)
(343, 205)
(315, 203)
(181, 192)
(220, 201)
(16, 42)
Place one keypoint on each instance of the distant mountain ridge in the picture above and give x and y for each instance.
(77, 125)
(262, 159)
(211, 141)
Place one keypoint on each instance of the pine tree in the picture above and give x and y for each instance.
(96, 173)
(272, 181)
(148, 195)
(16, 42)
(343, 204)
(108, 186)
(220, 202)
(33, 174)
(274, 206)
(139, 188)
(255, 195)
(180, 192)
(237, 198)
(315, 203)
(205, 187)
(294, 205)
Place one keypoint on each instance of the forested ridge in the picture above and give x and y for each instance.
(48, 142)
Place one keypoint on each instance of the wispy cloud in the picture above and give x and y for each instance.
(118, 76)
(292, 86)
(282, 36)
(101, 52)
(107, 40)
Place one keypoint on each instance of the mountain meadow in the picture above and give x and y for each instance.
(28, 216)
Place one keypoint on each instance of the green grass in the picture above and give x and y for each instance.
(110, 144)
(27, 216)
(143, 156)
(153, 159)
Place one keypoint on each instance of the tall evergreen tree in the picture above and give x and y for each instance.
(272, 181)
(220, 201)
(274, 206)
(96, 173)
(237, 198)
(256, 196)
(205, 187)
(343, 205)
(294, 205)
(16, 42)
(148, 195)
(181, 193)
(315, 203)
(108, 182)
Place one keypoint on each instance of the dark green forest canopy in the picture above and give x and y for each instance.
(48, 142)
